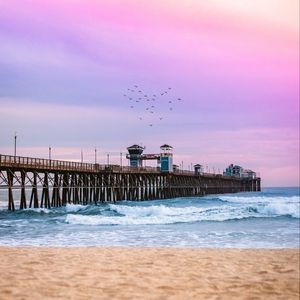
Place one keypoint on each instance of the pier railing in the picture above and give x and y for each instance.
(61, 165)
(41, 163)
(54, 183)
(11, 161)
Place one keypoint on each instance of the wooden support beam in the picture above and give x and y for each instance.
(10, 179)
(85, 187)
(34, 199)
(23, 204)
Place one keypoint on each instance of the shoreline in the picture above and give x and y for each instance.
(150, 247)
(148, 273)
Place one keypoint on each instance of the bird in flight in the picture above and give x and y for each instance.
(147, 111)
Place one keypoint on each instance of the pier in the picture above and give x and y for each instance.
(43, 183)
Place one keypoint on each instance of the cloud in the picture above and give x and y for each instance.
(64, 66)
(43, 123)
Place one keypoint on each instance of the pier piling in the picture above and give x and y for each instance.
(53, 183)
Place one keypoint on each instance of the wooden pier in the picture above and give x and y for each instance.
(43, 183)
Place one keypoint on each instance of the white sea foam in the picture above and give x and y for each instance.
(156, 210)
(281, 209)
(250, 220)
(241, 207)
(73, 208)
(269, 206)
(155, 215)
(38, 210)
(259, 199)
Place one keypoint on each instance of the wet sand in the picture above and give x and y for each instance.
(148, 273)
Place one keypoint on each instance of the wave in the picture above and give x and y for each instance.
(161, 214)
(156, 210)
(259, 199)
(69, 208)
(280, 209)
(270, 206)
(74, 208)
(153, 215)
(217, 209)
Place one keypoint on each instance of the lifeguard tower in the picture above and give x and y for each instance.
(198, 169)
(166, 158)
(135, 155)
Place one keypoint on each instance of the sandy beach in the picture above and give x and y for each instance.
(148, 273)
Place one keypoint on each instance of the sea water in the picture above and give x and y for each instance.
(267, 219)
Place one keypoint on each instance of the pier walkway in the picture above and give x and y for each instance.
(36, 182)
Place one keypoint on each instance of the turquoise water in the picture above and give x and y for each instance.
(267, 219)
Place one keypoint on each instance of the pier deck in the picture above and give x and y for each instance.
(35, 182)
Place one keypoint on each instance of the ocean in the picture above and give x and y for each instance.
(266, 219)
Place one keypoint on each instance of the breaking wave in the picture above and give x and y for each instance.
(259, 199)
(237, 208)
(269, 219)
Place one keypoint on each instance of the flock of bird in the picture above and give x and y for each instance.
(151, 107)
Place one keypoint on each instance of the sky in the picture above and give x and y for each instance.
(66, 64)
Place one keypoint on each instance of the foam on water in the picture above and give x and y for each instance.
(266, 219)
(259, 199)
(73, 208)
(162, 214)
(281, 209)
(269, 206)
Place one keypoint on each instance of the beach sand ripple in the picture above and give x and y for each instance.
(148, 273)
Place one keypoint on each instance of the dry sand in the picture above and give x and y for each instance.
(148, 273)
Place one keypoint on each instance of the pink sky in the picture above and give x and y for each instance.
(64, 66)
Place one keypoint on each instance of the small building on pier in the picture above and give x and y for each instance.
(166, 158)
(238, 171)
(198, 169)
(135, 155)
(53, 183)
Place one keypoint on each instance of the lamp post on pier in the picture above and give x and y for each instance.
(95, 155)
(50, 152)
(108, 159)
(81, 156)
(15, 148)
(121, 159)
